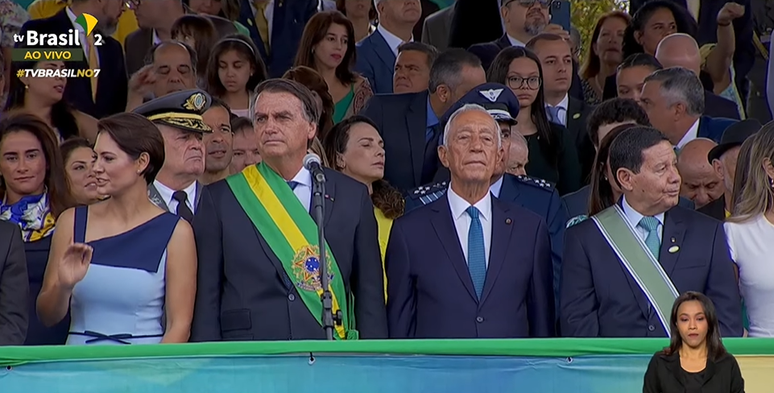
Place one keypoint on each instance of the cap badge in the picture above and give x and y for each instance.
(491, 95)
(195, 102)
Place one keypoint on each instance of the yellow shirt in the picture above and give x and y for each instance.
(384, 225)
(41, 9)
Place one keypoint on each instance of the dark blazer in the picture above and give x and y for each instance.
(715, 209)
(717, 106)
(139, 43)
(287, 27)
(402, 122)
(577, 203)
(713, 127)
(599, 298)
(376, 62)
(429, 290)
(112, 80)
(436, 28)
(243, 291)
(577, 118)
(14, 286)
(566, 172)
(664, 375)
(36, 254)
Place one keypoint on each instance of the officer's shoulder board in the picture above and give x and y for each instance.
(537, 183)
(430, 189)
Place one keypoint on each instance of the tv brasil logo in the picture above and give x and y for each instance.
(63, 47)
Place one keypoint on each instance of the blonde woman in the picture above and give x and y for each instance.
(750, 229)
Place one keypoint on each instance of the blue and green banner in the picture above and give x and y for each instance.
(434, 366)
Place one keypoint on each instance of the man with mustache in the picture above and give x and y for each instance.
(102, 95)
(623, 269)
(179, 118)
(219, 143)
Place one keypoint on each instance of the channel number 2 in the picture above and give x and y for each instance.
(98, 40)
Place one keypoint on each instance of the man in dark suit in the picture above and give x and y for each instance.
(623, 269)
(178, 117)
(436, 28)
(410, 123)
(469, 265)
(105, 94)
(555, 56)
(673, 98)
(681, 50)
(276, 27)
(723, 158)
(14, 286)
(258, 280)
(155, 19)
(376, 53)
(535, 195)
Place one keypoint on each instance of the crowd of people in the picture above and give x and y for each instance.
(167, 200)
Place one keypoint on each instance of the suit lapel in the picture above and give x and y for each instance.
(383, 50)
(674, 231)
(501, 236)
(328, 199)
(503, 42)
(510, 191)
(574, 112)
(447, 234)
(416, 122)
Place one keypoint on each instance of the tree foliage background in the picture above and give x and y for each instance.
(585, 14)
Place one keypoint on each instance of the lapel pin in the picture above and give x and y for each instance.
(674, 249)
(250, 22)
(508, 221)
(576, 116)
(673, 240)
(328, 197)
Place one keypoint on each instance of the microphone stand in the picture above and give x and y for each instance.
(328, 319)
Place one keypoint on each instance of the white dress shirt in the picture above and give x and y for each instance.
(562, 109)
(462, 220)
(303, 189)
(515, 42)
(156, 38)
(166, 195)
(393, 41)
(692, 134)
(83, 38)
(268, 14)
(496, 187)
(634, 217)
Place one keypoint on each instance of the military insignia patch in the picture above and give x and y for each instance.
(195, 102)
(306, 268)
(491, 95)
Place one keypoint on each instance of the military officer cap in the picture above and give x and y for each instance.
(497, 99)
(181, 109)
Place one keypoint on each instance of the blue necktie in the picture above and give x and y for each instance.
(430, 133)
(553, 114)
(292, 184)
(653, 243)
(476, 252)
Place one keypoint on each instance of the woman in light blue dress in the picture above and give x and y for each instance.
(125, 268)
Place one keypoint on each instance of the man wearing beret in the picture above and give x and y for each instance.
(179, 118)
(536, 195)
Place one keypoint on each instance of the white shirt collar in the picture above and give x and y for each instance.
(303, 177)
(166, 193)
(71, 15)
(496, 187)
(634, 217)
(692, 134)
(392, 40)
(564, 102)
(156, 39)
(459, 206)
(515, 42)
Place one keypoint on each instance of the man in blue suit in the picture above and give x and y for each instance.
(623, 269)
(469, 265)
(276, 27)
(536, 195)
(673, 98)
(376, 53)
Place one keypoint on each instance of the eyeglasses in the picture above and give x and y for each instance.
(517, 82)
(528, 3)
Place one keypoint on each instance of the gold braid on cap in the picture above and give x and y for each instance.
(184, 120)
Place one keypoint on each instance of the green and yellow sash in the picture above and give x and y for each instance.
(292, 235)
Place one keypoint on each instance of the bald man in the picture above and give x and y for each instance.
(701, 183)
(518, 157)
(681, 50)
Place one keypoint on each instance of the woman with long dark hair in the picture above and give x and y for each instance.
(234, 70)
(79, 158)
(696, 360)
(552, 152)
(354, 148)
(605, 54)
(33, 188)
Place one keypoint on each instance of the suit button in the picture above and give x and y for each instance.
(651, 328)
(479, 319)
(291, 297)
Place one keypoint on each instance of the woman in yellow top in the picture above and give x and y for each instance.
(354, 148)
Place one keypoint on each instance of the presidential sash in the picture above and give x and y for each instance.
(638, 261)
(292, 235)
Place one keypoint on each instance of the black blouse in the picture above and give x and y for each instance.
(665, 375)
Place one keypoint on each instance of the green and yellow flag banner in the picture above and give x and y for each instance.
(292, 235)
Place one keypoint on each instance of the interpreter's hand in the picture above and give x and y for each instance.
(141, 83)
(74, 264)
(729, 13)
(558, 30)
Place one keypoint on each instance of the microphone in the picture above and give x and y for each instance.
(313, 164)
